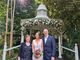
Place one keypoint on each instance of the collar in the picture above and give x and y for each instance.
(46, 36)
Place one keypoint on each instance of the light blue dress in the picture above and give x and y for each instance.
(36, 47)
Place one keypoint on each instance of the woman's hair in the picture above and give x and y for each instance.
(27, 36)
(39, 34)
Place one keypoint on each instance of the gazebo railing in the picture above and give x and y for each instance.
(12, 48)
(5, 50)
(75, 51)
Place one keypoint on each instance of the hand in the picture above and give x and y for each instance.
(52, 58)
(18, 58)
(37, 54)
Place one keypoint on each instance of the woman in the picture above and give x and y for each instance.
(25, 50)
(37, 47)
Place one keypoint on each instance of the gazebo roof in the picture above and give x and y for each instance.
(42, 12)
(41, 19)
(42, 7)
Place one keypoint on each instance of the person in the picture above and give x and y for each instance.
(37, 47)
(49, 46)
(25, 50)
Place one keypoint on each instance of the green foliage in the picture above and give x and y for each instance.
(2, 9)
(2, 15)
(22, 13)
(1, 42)
(69, 12)
(38, 1)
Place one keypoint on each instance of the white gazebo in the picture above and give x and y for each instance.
(41, 21)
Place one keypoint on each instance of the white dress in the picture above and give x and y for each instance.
(37, 46)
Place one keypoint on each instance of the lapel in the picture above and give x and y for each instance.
(47, 40)
(44, 41)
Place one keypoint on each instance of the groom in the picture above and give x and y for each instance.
(49, 46)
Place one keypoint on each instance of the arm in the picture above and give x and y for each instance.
(18, 58)
(32, 47)
(42, 47)
(53, 47)
(19, 52)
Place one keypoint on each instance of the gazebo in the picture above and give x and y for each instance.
(40, 22)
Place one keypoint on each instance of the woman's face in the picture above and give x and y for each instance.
(28, 39)
(37, 36)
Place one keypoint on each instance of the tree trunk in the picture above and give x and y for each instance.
(6, 21)
(12, 24)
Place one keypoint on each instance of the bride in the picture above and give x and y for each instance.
(37, 47)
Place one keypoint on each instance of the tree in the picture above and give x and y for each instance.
(22, 12)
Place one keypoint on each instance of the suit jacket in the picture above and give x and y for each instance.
(49, 48)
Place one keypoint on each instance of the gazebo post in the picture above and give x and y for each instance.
(60, 53)
(60, 48)
(61, 42)
(22, 35)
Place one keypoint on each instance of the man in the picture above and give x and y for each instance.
(49, 46)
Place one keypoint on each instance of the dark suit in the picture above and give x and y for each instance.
(49, 48)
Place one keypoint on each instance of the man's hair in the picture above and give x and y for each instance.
(45, 29)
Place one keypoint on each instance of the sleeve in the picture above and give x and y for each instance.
(31, 52)
(53, 46)
(41, 45)
(20, 49)
(33, 46)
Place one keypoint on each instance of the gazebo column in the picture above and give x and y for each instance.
(60, 48)
(22, 35)
(61, 42)
(60, 54)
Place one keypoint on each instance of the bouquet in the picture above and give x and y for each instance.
(37, 53)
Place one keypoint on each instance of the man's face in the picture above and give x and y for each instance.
(45, 32)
